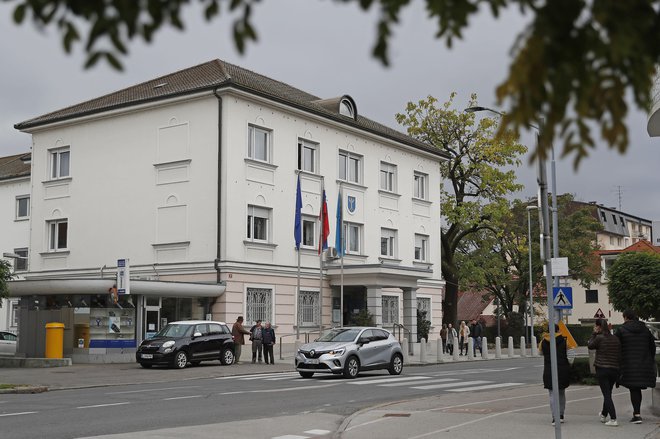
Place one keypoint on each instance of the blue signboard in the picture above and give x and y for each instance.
(562, 297)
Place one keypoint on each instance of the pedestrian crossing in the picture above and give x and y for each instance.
(417, 382)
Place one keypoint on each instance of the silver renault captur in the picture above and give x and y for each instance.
(349, 351)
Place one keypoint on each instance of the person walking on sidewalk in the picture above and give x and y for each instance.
(452, 339)
(638, 370)
(608, 357)
(476, 331)
(257, 341)
(463, 334)
(443, 337)
(563, 371)
(238, 333)
(268, 340)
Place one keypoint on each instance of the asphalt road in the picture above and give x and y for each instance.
(181, 403)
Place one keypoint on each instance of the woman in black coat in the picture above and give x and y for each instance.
(563, 370)
(637, 360)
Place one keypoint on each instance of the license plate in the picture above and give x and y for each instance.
(311, 361)
(147, 356)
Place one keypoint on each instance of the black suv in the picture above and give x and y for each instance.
(194, 341)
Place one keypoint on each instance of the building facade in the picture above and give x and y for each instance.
(192, 177)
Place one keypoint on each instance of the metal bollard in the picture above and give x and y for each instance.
(454, 355)
(484, 348)
(422, 351)
(510, 347)
(470, 353)
(441, 358)
(535, 347)
(523, 348)
(498, 348)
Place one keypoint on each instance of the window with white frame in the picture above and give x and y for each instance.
(352, 238)
(350, 167)
(22, 207)
(13, 314)
(388, 243)
(421, 247)
(424, 307)
(308, 153)
(420, 186)
(346, 108)
(390, 310)
(258, 223)
(259, 143)
(387, 177)
(308, 232)
(309, 308)
(58, 232)
(258, 305)
(21, 264)
(60, 163)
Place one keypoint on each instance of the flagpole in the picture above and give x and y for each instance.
(341, 261)
(297, 300)
(321, 261)
(298, 236)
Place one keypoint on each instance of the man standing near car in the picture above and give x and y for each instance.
(256, 337)
(238, 333)
(268, 340)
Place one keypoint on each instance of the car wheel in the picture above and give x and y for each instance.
(352, 367)
(227, 357)
(180, 359)
(306, 374)
(146, 365)
(195, 363)
(396, 365)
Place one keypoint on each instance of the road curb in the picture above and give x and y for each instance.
(24, 389)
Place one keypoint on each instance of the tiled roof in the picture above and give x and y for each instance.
(639, 246)
(15, 166)
(218, 74)
(471, 305)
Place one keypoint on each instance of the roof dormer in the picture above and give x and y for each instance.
(343, 106)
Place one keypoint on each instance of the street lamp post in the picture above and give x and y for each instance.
(544, 218)
(531, 282)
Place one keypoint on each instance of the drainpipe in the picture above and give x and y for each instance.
(216, 262)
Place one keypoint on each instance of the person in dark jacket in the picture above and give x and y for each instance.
(637, 360)
(608, 357)
(268, 340)
(476, 331)
(563, 370)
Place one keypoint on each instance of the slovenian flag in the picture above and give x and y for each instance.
(340, 224)
(325, 226)
(297, 227)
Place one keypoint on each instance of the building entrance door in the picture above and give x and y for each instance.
(151, 316)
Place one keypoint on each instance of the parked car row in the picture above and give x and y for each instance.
(346, 351)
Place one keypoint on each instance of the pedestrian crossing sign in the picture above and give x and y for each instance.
(562, 297)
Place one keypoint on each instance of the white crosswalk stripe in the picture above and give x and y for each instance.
(485, 387)
(408, 383)
(447, 385)
(377, 381)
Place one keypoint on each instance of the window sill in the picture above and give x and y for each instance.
(388, 193)
(263, 244)
(308, 250)
(55, 181)
(352, 184)
(386, 259)
(171, 244)
(313, 175)
(259, 163)
(23, 218)
(55, 253)
(422, 264)
(422, 201)
(354, 255)
(172, 163)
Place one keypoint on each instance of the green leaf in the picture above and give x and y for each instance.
(19, 13)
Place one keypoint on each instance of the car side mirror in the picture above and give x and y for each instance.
(197, 334)
(363, 340)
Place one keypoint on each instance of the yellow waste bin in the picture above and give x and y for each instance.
(54, 340)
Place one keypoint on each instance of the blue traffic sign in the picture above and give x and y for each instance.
(562, 297)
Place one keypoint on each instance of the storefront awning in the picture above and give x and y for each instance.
(20, 288)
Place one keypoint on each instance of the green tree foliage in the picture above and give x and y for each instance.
(477, 177)
(5, 276)
(634, 282)
(496, 260)
(572, 66)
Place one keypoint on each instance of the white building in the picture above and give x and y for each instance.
(620, 231)
(15, 231)
(192, 176)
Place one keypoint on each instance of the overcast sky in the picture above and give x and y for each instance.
(324, 48)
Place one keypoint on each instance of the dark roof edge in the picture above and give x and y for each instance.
(598, 206)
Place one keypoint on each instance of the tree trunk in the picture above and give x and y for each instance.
(450, 303)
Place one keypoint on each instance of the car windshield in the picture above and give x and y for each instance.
(340, 335)
(175, 331)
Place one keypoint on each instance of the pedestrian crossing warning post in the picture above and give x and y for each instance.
(599, 314)
(562, 297)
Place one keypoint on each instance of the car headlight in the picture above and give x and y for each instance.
(337, 352)
(168, 344)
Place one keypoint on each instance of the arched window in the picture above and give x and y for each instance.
(346, 108)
